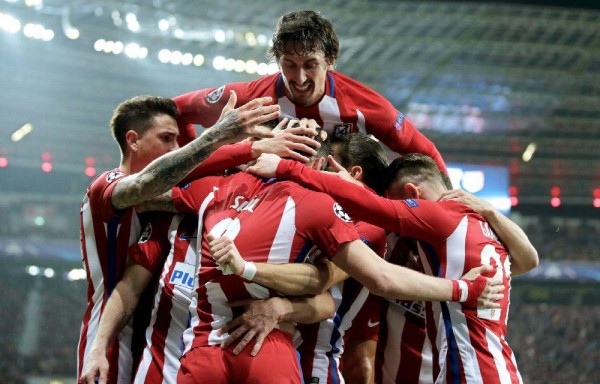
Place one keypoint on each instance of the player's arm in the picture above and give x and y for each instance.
(117, 312)
(523, 254)
(359, 202)
(388, 280)
(289, 143)
(166, 171)
(294, 279)
(262, 316)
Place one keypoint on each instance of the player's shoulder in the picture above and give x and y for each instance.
(353, 91)
(105, 179)
(263, 86)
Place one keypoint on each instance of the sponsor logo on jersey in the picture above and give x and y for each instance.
(113, 175)
(215, 95)
(342, 129)
(412, 203)
(339, 212)
(415, 307)
(145, 234)
(372, 324)
(399, 122)
(183, 275)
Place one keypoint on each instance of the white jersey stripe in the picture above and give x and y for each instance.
(221, 313)
(329, 111)
(495, 347)
(360, 122)
(468, 355)
(282, 244)
(455, 248)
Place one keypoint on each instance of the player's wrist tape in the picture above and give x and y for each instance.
(249, 270)
(467, 292)
(460, 291)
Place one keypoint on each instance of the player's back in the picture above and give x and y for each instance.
(270, 221)
(470, 341)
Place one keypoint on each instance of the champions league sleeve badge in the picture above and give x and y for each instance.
(112, 176)
(339, 212)
(215, 95)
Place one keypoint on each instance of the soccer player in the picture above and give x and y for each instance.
(470, 343)
(145, 129)
(305, 47)
(161, 235)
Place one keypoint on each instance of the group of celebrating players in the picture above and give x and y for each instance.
(233, 257)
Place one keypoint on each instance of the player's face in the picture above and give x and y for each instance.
(159, 139)
(304, 76)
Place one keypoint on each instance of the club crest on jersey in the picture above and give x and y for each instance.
(113, 175)
(215, 95)
(342, 129)
(412, 203)
(339, 212)
(145, 234)
(183, 275)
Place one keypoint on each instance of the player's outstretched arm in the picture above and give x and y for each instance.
(294, 279)
(166, 171)
(523, 255)
(393, 281)
(119, 309)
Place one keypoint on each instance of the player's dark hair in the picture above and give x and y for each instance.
(309, 31)
(414, 168)
(137, 114)
(358, 149)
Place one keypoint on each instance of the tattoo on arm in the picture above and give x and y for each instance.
(166, 171)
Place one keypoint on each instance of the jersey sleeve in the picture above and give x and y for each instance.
(204, 107)
(188, 198)
(386, 123)
(404, 138)
(153, 246)
(360, 203)
(325, 223)
(373, 236)
(100, 194)
(225, 157)
(424, 220)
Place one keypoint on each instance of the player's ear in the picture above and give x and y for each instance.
(411, 191)
(132, 137)
(356, 172)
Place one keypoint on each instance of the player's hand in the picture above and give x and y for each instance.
(225, 253)
(478, 205)
(286, 142)
(259, 319)
(338, 170)
(95, 369)
(483, 291)
(236, 124)
(265, 166)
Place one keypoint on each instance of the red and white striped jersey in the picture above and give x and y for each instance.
(403, 350)
(347, 106)
(270, 221)
(105, 236)
(468, 342)
(323, 343)
(169, 250)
